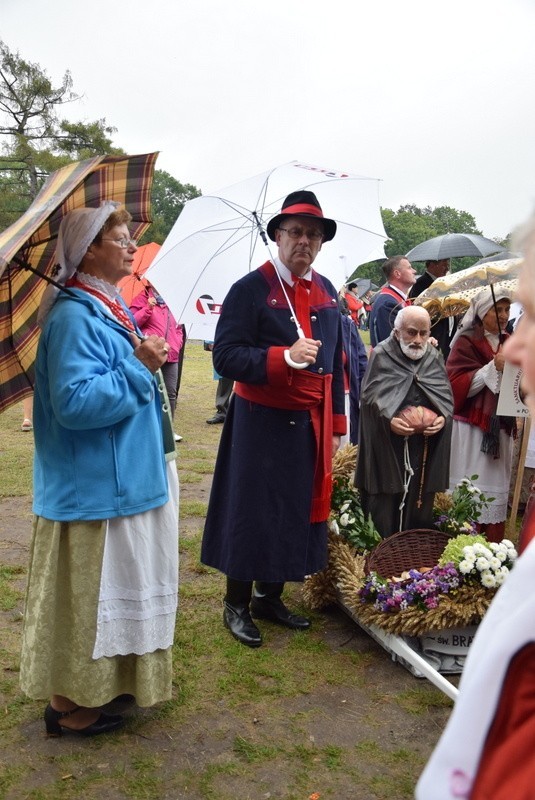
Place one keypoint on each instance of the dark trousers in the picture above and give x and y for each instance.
(239, 592)
(223, 395)
(170, 376)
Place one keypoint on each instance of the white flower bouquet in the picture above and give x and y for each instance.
(481, 561)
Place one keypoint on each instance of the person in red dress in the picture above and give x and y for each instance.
(354, 303)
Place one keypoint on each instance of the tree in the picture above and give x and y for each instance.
(36, 140)
(168, 198)
(411, 225)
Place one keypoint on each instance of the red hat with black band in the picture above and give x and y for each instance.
(302, 204)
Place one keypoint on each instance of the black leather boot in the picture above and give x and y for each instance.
(266, 603)
(236, 615)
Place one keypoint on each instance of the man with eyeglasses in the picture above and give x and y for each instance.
(405, 427)
(279, 338)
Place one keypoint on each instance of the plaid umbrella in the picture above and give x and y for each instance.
(32, 241)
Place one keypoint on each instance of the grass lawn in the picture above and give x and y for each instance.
(321, 714)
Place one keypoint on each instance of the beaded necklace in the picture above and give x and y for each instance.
(113, 305)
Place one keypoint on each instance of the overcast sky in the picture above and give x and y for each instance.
(433, 98)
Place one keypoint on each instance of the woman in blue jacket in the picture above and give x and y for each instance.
(103, 578)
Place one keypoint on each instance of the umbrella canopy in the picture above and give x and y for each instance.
(451, 294)
(454, 245)
(32, 240)
(133, 284)
(216, 238)
(365, 285)
(501, 256)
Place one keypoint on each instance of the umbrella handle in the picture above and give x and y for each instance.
(294, 364)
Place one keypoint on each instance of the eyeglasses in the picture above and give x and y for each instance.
(296, 233)
(123, 243)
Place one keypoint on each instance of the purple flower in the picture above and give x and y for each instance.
(421, 590)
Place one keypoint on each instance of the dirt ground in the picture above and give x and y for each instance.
(365, 740)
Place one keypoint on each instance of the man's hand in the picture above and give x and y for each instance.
(437, 426)
(433, 341)
(400, 427)
(305, 351)
(152, 351)
(336, 443)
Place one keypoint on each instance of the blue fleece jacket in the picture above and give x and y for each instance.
(97, 418)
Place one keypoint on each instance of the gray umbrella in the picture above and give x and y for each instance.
(454, 245)
(364, 285)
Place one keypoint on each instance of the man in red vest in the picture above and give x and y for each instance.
(270, 498)
(400, 276)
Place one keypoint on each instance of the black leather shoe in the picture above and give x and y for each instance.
(238, 620)
(119, 704)
(274, 610)
(217, 419)
(104, 724)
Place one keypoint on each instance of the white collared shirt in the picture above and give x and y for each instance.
(285, 273)
(395, 289)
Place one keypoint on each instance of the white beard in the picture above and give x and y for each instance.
(411, 352)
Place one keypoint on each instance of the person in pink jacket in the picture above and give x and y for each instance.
(154, 316)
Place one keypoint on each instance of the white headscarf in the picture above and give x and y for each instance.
(77, 230)
(479, 305)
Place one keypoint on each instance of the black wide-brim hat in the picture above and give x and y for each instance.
(302, 204)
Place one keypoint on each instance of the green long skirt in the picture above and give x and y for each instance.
(60, 624)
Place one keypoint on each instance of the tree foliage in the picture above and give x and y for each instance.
(410, 225)
(168, 198)
(36, 140)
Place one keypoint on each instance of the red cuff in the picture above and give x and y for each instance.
(278, 371)
(339, 424)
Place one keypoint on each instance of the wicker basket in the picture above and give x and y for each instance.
(407, 550)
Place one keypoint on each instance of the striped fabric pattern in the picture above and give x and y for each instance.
(32, 239)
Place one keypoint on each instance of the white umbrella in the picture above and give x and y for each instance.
(216, 238)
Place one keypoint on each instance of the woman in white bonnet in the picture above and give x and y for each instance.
(481, 442)
(102, 589)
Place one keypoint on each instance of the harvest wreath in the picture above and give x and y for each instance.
(384, 582)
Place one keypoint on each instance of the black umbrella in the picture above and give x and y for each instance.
(454, 245)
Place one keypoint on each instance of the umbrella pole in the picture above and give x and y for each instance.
(501, 335)
(25, 265)
(300, 333)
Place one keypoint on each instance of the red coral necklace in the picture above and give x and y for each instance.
(115, 307)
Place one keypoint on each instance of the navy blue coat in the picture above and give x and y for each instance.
(258, 522)
(386, 305)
